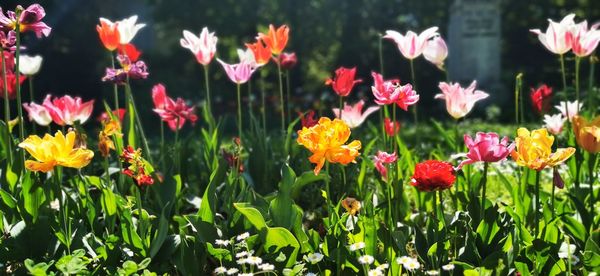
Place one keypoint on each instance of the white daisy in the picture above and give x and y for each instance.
(448, 267)
(402, 260)
(222, 242)
(366, 259)
(412, 265)
(266, 267)
(243, 236)
(375, 272)
(314, 258)
(220, 270)
(432, 272)
(357, 246)
(232, 271)
(253, 260)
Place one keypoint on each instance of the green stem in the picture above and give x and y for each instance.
(239, 111)
(141, 221)
(6, 109)
(207, 85)
(63, 209)
(18, 85)
(289, 97)
(177, 149)
(414, 84)
(34, 127)
(591, 95)
(537, 204)
(577, 65)
(115, 87)
(394, 126)
(380, 46)
(281, 98)
(328, 190)
(263, 109)
(162, 143)
(341, 105)
(564, 74)
(483, 188)
(592, 176)
(517, 96)
(138, 122)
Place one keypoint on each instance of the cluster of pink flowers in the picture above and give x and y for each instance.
(566, 35)
(65, 110)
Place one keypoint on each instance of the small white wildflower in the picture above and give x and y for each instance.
(357, 246)
(366, 259)
(314, 258)
(383, 266)
(375, 272)
(128, 251)
(411, 265)
(220, 270)
(242, 254)
(350, 222)
(222, 242)
(375, 200)
(242, 261)
(402, 260)
(55, 205)
(566, 250)
(253, 260)
(266, 267)
(432, 272)
(310, 274)
(232, 271)
(448, 267)
(243, 236)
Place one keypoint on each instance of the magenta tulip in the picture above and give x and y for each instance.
(487, 147)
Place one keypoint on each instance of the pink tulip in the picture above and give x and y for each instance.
(67, 110)
(174, 112)
(554, 123)
(38, 113)
(486, 147)
(30, 19)
(436, 51)
(238, 73)
(460, 101)
(557, 38)
(390, 92)
(585, 41)
(353, 115)
(411, 45)
(203, 47)
(381, 159)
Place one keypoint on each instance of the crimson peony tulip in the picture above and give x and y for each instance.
(433, 175)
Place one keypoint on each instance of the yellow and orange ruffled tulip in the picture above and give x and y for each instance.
(105, 142)
(57, 150)
(534, 150)
(326, 142)
(587, 133)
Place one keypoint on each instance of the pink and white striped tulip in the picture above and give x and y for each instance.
(460, 101)
(585, 40)
(67, 110)
(411, 45)
(38, 113)
(557, 38)
(203, 47)
(554, 123)
(238, 73)
(353, 115)
(486, 147)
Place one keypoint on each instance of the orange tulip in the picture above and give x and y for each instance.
(109, 34)
(587, 133)
(326, 141)
(276, 39)
(262, 53)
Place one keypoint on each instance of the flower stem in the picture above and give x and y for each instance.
(537, 204)
(6, 109)
(483, 188)
(327, 189)
(518, 81)
(577, 65)
(341, 105)
(34, 128)
(591, 95)
(18, 85)
(380, 50)
(289, 97)
(115, 87)
(177, 149)
(414, 84)
(263, 109)
(239, 113)
(207, 85)
(562, 68)
(138, 122)
(592, 167)
(281, 97)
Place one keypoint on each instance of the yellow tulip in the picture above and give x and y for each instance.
(326, 141)
(534, 150)
(57, 150)
(587, 133)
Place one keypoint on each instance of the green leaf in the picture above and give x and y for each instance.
(208, 206)
(8, 199)
(33, 196)
(109, 202)
(277, 239)
(251, 214)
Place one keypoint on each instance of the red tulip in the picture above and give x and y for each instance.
(391, 128)
(130, 51)
(174, 112)
(344, 81)
(433, 175)
(308, 119)
(541, 97)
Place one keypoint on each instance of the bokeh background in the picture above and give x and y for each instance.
(325, 34)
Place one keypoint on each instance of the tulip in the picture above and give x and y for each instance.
(587, 133)
(30, 19)
(308, 119)
(460, 101)
(411, 45)
(132, 70)
(30, 65)
(569, 109)
(585, 40)
(275, 40)
(203, 47)
(11, 80)
(353, 115)
(105, 143)
(433, 175)
(390, 92)
(8, 40)
(541, 98)
(261, 53)
(344, 81)
(534, 150)
(247, 56)
(436, 51)
(137, 166)
(67, 110)
(57, 150)
(391, 128)
(351, 205)
(554, 123)
(381, 159)
(287, 60)
(38, 113)
(557, 38)
(486, 147)
(238, 73)
(128, 29)
(326, 140)
(174, 112)
(109, 34)
(129, 50)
